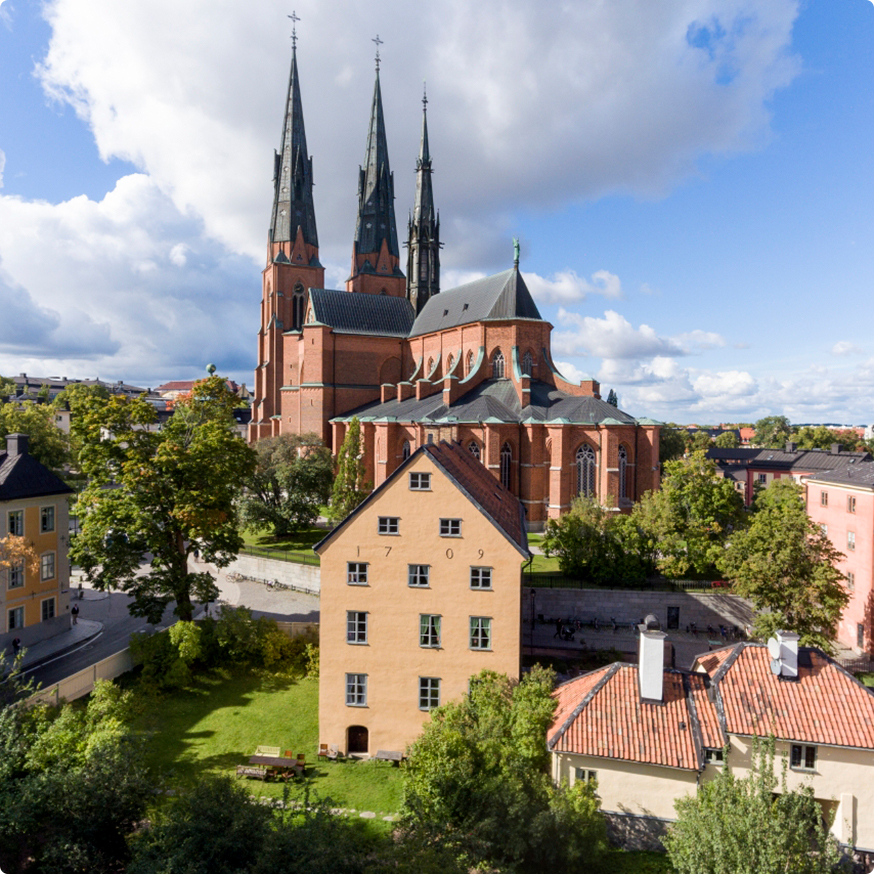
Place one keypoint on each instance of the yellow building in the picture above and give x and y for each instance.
(421, 590)
(34, 604)
(650, 735)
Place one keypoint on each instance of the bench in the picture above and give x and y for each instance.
(267, 751)
(389, 756)
(259, 772)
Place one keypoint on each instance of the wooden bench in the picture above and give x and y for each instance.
(267, 751)
(389, 756)
(259, 772)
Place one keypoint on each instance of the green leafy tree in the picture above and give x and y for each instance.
(727, 440)
(43, 393)
(772, 432)
(164, 494)
(700, 441)
(79, 398)
(477, 781)
(350, 487)
(7, 387)
(48, 444)
(690, 518)
(292, 479)
(751, 825)
(672, 442)
(785, 564)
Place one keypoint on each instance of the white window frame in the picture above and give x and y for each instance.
(823, 499)
(11, 614)
(15, 576)
(806, 752)
(851, 581)
(47, 517)
(851, 541)
(419, 576)
(356, 573)
(429, 630)
(356, 690)
(714, 756)
(389, 525)
(15, 522)
(47, 562)
(429, 693)
(585, 775)
(420, 481)
(42, 609)
(450, 527)
(481, 633)
(851, 503)
(356, 627)
(481, 578)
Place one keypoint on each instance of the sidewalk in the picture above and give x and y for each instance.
(80, 633)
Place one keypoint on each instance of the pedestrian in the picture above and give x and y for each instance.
(558, 626)
(16, 645)
(75, 613)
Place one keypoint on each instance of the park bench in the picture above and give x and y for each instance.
(267, 751)
(258, 772)
(389, 756)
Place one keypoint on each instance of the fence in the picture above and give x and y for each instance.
(295, 555)
(560, 581)
(80, 684)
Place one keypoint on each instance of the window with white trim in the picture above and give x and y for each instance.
(418, 575)
(823, 499)
(480, 578)
(47, 566)
(16, 576)
(480, 632)
(584, 775)
(15, 618)
(16, 522)
(46, 519)
(450, 527)
(429, 630)
(851, 581)
(824, 528)
(420, 482)
(356, 626)
(356, 573)
(714, 756)
(802, 758)
(851, 540)
(851, 503)
(389, 525)
(356, 690)
(48, 609)
(429, 693)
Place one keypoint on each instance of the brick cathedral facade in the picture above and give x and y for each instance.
(417, 364)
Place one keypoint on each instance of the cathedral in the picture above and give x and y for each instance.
(417, 364)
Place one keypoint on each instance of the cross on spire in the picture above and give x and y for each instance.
(425, 96)
(294, 18)
(378, 42)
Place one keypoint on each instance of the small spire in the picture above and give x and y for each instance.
(378, 42)
(516, 250)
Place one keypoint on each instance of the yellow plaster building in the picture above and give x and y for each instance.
(421, 590)
(34, 604)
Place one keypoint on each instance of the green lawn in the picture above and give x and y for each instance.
(217, 725)
(296, 546)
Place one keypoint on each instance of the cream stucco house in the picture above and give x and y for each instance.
(421, 590)
(651, 735)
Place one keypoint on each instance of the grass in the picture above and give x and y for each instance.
(865, 678)
(639, 862)
(297, 546)
(217, 724)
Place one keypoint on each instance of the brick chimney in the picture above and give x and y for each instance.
(651, 660)
(16, 444)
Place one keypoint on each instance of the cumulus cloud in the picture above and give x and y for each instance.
(610, 337)
(566, 287)
(845, 347)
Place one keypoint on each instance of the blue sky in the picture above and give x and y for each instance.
(692, 182)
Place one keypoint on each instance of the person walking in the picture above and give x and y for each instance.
(558, 628)
(16, 645)
(75, 614)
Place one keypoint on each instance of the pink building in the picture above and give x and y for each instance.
(842, 502)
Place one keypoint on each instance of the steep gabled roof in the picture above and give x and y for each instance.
(378, 315)
(22, 476)
(502, 296)
(497, 503)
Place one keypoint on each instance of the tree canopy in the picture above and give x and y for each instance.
(772, 432)
(292, 479)
(350, 486)
(672, 442)
(48, 444)
(166, 494)
(727, 440)
(477, 781)
(786, 565)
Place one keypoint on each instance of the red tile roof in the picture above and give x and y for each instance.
(825, 705)
(610, 720)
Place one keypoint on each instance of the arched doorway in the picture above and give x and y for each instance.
(357, 740)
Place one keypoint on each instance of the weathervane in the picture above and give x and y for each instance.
(378, 42)
(425, 96)
(294, 17)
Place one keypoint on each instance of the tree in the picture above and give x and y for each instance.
(740, 826)
(613, 398)
(350, 488)
(785, 564)
(165, 494)
(48, 444)
(79, 398)
(7, 387)
(672, 442)
(772, 432)
(292, 480)
(477, 781)
(597, 544)
(727, 440)
(691, 517)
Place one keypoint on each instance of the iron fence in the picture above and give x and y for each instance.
(295, 555)
(560, 581)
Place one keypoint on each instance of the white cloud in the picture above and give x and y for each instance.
(698, 340)
(611, 337)
(570, 372)
(566, 287)
(2, 158)
(845, 347)
(728, 383)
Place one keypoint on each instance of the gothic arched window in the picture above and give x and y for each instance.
(623, 472)
(498, 365)
(473, 446)
(506, 464)
(405, 450)
(585, 461)
(449, 361)
(527, 362)
(430, 367)
(469, 362)
(297, 306)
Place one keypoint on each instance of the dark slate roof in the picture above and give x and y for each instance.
(800, 461)
(494, 501)
(860, 474)
(496, 400)
(502, 296)
(379, 315)
(22, 476)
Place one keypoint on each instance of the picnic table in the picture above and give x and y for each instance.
(279, 765)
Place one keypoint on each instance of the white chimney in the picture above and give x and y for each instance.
(788, 654)
(651, 663)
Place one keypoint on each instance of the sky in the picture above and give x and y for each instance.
(692, 182)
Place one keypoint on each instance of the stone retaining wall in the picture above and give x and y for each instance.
(302, 576)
